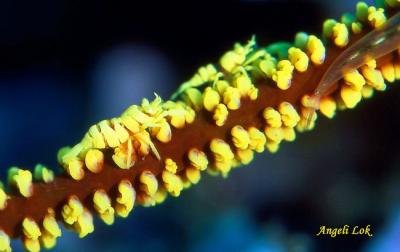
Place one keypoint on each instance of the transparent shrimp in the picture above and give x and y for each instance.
(375, 44)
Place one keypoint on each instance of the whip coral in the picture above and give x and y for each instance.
(254, 99)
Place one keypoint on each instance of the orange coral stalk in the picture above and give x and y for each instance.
(252, 101)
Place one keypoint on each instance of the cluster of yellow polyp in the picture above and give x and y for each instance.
(251, 101)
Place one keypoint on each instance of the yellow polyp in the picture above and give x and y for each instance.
(316, 49)
(198, 159)
(207, 73)
(309, 101)
(145, 200)
(289, 115)
(102, 205)
(354, 79)
(388, 72)
(244, 156)
(190, 115)
(223, 156)
(193, 97)
(231, 98)
(130, 123)
(340, 34)
(149, 183)
(283, 75)
(160, 195)
(31, 229)
(173, 183)
(350, 96)
(109, 134)
(327, 107)
(178, 120)
(268, 67)
(240, 137)
(272, 117)
(94, 160)
(75, 169)
(31, 245)
(124, 155)
(48, 241)
(211, 99)
(362, 11)
(21, 180)
(356, 27)
(288, 134)
(50, 224)
(373, 77)
(298, 58)
(253, 93)
(121, 133)
(274, 134)
(170, 165)
(42, 173)
(72, 210)
(4, 242)
(257, 139)
(221, 150)
(272, 146)
(126, 199)
(367, 92)
(164, 133)
(243, 84)
(369, 74)
(370, 62)
(97, 137)
(230, 60)
(84, 224)
(220, 114)
(224, 166)
(3, 200)
(193, 175)
(376, 17)
(221, 85)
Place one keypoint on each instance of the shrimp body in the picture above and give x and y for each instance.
(375, 44)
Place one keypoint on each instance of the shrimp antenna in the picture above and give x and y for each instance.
(375, 44)
(309, 117)
(314, 101)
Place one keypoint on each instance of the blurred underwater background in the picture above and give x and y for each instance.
(64, 65)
